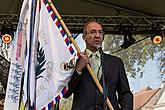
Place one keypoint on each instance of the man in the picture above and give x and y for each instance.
(110, 73)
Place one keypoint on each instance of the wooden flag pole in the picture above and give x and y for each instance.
(78, 49)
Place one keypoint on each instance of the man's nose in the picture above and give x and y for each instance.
(98, 35)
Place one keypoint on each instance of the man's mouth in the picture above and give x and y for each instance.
(97, 42)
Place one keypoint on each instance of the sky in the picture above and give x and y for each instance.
(151, 77)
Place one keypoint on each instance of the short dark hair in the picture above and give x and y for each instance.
(86, 24)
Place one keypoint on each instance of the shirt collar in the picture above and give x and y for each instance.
(89, 52)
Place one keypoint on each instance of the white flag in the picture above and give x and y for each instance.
(59, 56)
(44, 54)
(49, 58)
(17, 62)
(28, 99)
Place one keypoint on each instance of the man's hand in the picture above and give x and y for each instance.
(82, 62)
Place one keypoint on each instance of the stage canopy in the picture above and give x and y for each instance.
(96, 7)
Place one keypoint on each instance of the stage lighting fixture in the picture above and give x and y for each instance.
(128, 40)
(157, 38)
(6, 38)
(7, 33)
(156, 34)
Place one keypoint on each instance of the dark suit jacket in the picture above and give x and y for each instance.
(86, 95)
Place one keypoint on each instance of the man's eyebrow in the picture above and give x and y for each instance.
(95, 30)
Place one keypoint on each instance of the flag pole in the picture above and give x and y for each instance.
(78, 49)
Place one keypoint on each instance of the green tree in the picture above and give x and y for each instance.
(136, 56)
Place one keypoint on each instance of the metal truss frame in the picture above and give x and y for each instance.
(4, 71)
(111, 24)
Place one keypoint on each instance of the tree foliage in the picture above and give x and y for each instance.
(136, 56)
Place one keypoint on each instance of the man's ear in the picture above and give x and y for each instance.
(83, 36)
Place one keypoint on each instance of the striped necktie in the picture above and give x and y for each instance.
(95, 63)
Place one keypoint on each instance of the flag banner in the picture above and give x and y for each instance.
(43, 57)
(28, 98)
(56, 59)
(17, 63)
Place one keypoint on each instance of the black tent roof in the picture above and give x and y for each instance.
(96, 7)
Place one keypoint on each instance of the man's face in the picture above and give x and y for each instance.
(94, 36)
